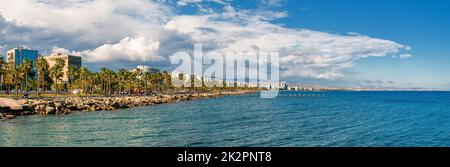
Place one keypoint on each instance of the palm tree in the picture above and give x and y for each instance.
(25, 70)
(96, 81)
(182, 78)
(123, 76)
(8, 78)
(56, 72)
(12, 77)
(203, 84)
(167, 80)
(132, 79)
(73, 73)
(2, 71)
(107, 76)
(157, 80)
(192, 77)
(43, 69)
(147, 77)
(85, 74)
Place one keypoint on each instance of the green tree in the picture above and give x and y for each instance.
(43, 73)
(2, 71)
(132, 81)
(167, 80)
(56, 73)
(147, 77)
(12, 77)
(123, 79)
(107, 77)
(26, 70)
(182, 78)
(85, 75)
(73, 73)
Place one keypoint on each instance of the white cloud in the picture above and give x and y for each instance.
(405, 56)
(304, 53)
(82, 24)
(60, 50)
(188, 2)
(272, 3)
(127, 49)
(141, 31)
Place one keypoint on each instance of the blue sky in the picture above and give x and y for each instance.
(376, 43)
(422, 25)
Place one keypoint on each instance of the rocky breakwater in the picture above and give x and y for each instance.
(62, 106)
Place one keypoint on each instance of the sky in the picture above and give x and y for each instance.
(369, 43)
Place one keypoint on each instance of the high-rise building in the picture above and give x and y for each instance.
(69, 60)
(18, 55)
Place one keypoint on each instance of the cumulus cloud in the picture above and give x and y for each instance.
(303, 52)
(80, 24)
(141, 31)
(127, 49)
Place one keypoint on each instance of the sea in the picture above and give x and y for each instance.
(293, 119)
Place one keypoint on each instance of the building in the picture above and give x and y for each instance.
(283, 85)
(18, 55)
(145, 69)
(69, 60)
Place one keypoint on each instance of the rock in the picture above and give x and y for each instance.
(81, 107)
(50, 110)
(67, 111)
(59, 112)
(7, 116)
(72, 107)
(23, 101)
(114, 104)
(27, 113)
(59, 104)
(37, 108)
(70, 104)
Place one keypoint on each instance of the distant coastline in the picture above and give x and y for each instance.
(317, 87)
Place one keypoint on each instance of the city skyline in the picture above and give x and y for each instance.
(318, 42)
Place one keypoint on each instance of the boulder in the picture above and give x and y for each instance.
(81, 107)
(72, 107)
(67, 111)
(37, 108)
(23, 101)
(9, 116)
(59, 112)
(50, 110)
(59, 104)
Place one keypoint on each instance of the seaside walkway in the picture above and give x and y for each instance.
(7, 104)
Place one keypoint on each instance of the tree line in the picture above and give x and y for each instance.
(40, 77)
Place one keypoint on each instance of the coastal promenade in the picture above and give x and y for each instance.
(67, 105)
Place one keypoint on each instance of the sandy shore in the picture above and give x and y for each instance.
(67, 105)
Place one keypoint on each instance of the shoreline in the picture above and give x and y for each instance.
(67, 105)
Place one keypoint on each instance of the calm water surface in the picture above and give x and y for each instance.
(293, 119)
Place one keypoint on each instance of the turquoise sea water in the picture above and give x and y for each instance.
(292, 119)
